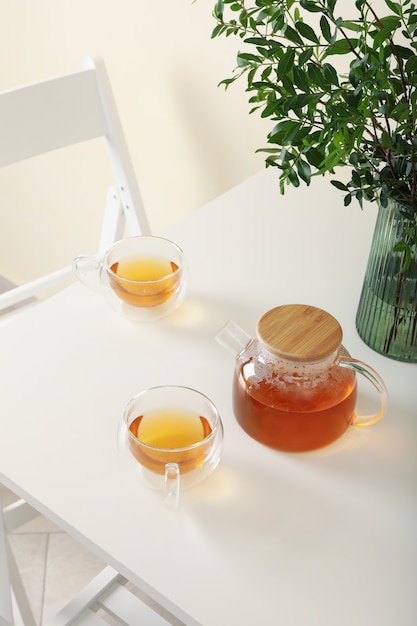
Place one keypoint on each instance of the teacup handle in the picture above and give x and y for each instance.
(172, 484)
(87, 270)
(373, 376)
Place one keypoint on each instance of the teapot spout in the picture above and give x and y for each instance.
(233, 337)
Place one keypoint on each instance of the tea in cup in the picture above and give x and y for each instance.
(144, 277)
(176, 435)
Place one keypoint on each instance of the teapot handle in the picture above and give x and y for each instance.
(373, 376)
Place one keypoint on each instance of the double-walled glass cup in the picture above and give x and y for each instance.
(143, 278)
(176, 435)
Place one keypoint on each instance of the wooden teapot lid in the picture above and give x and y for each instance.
(299, 332)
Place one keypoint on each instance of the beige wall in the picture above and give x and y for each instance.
(189, 140)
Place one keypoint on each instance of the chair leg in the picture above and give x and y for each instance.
(6, 612)
(18, 590)
(12, 591)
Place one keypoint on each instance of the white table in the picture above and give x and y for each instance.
(318, 539)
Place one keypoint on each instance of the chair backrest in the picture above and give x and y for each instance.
(56, 113)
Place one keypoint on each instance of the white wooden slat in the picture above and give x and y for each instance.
(17, 514)
(86, 598)
(113, 221)
(127, 185)
(34, 287)
(50, 115)
(123, 604)
(89, 618)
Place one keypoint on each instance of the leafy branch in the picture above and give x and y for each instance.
(362, 116)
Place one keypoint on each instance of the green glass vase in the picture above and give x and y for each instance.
(386, 319)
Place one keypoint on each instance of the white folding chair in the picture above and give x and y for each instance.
(36, 119)
(56, 113)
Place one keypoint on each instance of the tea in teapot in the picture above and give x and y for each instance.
(294, 386)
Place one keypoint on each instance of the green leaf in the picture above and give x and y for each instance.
(400, 112)
(330, 74)
(217, 30)
(314, 156)
(299, 101)
(369, 178)
(349, 25)
(356, 179)
(411, 65)
(404, 53)
(286, 63)
(309, 5)
(404, 248)
(285, 156)
(227, 81)
(339, 185)
(331, 160)
(245, 58)
(325, 29)
(394, 6)
(301, 79)
(270, 108)
(305, 56)
(342, 46)
(296, 135)
(390, 23)
(306, 31)
(292, 35)
(304, 171)
(288, 132)
(283, 127)
(293, 178)
(386, 139)
(258, 41)
(218, 9)
(315, 75)
(266, 72)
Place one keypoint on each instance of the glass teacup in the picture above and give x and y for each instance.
(176, 435)
(143, 278)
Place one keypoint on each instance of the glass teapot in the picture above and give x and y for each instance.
(294, 387)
